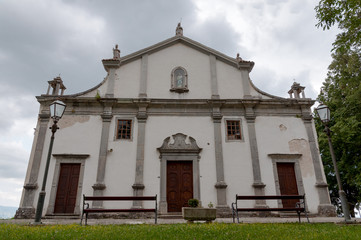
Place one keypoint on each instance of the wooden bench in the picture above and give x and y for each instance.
(299, 207)
(87, 209)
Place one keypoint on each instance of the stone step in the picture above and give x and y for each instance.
(171, 216)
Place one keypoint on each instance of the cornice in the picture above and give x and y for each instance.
(190, 43)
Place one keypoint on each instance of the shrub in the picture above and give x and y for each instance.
(193, 202)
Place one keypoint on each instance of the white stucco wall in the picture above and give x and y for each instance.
(127, 80)
(161, 64)
(237, 163)
(120, 163)
(285, 135)
(229, 81)
(73, 137)
(201, 129)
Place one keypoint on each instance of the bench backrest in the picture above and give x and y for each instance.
(116, 198)
(270, 197)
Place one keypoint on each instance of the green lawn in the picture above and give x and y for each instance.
(183, 231)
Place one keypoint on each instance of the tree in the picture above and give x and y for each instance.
(341, 92)
(345, 13)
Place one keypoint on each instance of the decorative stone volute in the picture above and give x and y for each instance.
(179, 144)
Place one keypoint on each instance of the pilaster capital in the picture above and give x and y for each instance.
(111, 63)
(142, 109)
(250, 115)
(250, 118)
(307, 117)
(108, 102)
(217, 117)
(142, 116)
(44, 117)
(107, 117)
(220, 185)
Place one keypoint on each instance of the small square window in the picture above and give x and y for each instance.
(234, 130)
(124, 129)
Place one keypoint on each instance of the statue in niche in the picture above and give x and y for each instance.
(179, 80)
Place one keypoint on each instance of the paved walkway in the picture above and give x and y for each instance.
(172, 221)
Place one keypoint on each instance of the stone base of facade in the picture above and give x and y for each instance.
(139, 215)
(224, 211)
(25, 213)
(327, 210)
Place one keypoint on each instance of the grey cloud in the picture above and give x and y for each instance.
(13, 162)
(217, 34)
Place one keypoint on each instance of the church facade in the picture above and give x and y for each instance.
(180, 120)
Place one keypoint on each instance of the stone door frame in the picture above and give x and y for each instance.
(73, 159)
(287, 158)
(178, 150)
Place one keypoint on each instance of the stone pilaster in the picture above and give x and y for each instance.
(26, 209)
(143, 77)
(257, 185)
(325, 207)
(220, 185)
(99, 186)
(214, 84)
(138, 185)
(245, 84)
(111, 65)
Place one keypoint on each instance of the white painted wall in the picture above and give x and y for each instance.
(161, 64)
(237, 164)
(229, 81)
(127, 80)
(285, 135)
(201, 129)
(73, 137)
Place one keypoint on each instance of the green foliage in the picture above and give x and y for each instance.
(183, 231)
(97, 96)
(193, 202)
(341, 92)
(347, 15)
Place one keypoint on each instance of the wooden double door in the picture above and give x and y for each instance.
(179, 184)
(287, 182)
(67, 188)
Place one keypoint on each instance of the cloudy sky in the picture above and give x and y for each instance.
(40, 39)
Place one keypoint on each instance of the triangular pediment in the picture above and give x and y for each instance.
(190, 43)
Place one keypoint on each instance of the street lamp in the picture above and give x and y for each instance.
(57, 109)
(324, 114)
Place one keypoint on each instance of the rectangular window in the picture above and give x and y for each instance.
(124, 129)
(233, 130)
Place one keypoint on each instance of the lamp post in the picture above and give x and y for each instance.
(323, 113)
(57, 109)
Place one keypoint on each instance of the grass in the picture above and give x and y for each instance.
(183, 231)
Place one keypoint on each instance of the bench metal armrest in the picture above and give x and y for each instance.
(301, 204)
